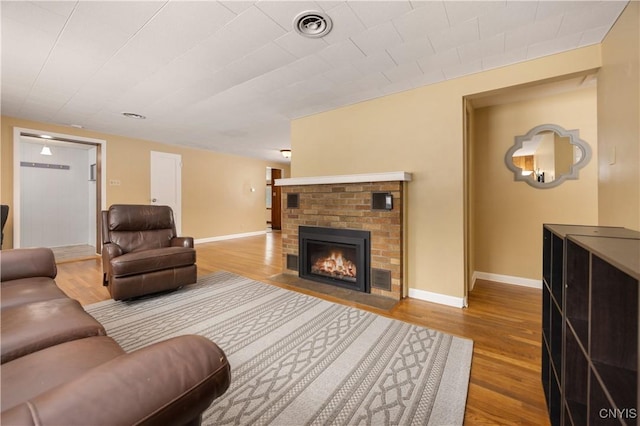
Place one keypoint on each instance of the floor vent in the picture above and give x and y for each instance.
(292, 262)
(381, 279)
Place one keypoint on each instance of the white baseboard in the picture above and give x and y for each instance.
(505, 279)
(228, 237)
(443, 299)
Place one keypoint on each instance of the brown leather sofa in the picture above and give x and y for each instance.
(60, 368)
(142, 253)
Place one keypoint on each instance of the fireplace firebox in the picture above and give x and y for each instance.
(335, 256)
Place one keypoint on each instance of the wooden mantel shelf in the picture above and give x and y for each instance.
(338, 179)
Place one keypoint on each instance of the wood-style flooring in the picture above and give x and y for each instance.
(504, 321)
(73, 253)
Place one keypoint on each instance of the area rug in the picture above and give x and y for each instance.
(299, 360)
(373, 300)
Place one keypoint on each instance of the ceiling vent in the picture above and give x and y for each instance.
(312, 24)
(134, 115)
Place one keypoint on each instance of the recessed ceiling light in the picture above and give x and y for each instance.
(312, 24)
(46, 137)
(134, 115)
(77, 126)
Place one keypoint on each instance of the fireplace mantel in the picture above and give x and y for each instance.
(340, 179)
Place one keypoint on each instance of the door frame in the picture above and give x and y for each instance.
(178, 184)
(276, 200)
(101, 167)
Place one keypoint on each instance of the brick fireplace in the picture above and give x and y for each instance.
(369, 203)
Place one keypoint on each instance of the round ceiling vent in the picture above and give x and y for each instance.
(312, 24)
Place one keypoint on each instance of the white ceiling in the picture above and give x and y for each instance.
(230, 75)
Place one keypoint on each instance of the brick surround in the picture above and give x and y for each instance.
(348, 205)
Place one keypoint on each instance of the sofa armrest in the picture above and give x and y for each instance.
(27, 263)
(170, 382)
(182, 242)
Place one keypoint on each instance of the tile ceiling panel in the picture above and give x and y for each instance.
(229, 75)
(34, 16)
(420, 22)
(345, 24)
(283, 12)
(373, 13)
(411, 51)
(342, 53)
(301, 46)
(377, 39)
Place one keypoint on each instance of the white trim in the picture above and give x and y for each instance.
(17, 133)
(474, 277)
(506, 279)
(442, 299)
(337, 179)
(228, 237)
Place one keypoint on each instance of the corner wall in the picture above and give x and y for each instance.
(619, 123)
(419, 131)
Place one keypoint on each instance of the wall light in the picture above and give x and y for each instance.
(286, 153)
(46, 150)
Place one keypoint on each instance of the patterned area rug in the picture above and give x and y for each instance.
(299, 360)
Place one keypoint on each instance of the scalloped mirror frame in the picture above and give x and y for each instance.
(574, 139)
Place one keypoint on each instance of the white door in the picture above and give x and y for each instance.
(166, 183)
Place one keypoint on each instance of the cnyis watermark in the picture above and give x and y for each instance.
(618, 413)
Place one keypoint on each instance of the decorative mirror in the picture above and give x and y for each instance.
(547, 156)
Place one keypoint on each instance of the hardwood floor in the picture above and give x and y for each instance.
(504, 321)
(73, 253)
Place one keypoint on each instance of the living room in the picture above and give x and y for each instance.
(422, 131)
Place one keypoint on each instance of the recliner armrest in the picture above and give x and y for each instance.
(111, 250)
(170, 382)
(182, 242)
(27, 263)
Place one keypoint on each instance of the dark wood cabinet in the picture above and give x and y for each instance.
(590, 324)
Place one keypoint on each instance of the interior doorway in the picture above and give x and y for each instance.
(273, 200)
(166, 183)
(59, 191)
(502, 212)
(276, 198)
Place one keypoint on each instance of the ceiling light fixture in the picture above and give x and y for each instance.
(312, 24)
(134, 115)
(286, 153)
(45, 149)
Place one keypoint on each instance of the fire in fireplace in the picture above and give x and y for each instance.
(333, 261)
(335, 256)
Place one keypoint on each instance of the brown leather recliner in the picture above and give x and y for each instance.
(141, 252)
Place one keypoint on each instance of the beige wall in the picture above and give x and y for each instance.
(619, 122)
(216, 195)
(508, 215)
(419, 131)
